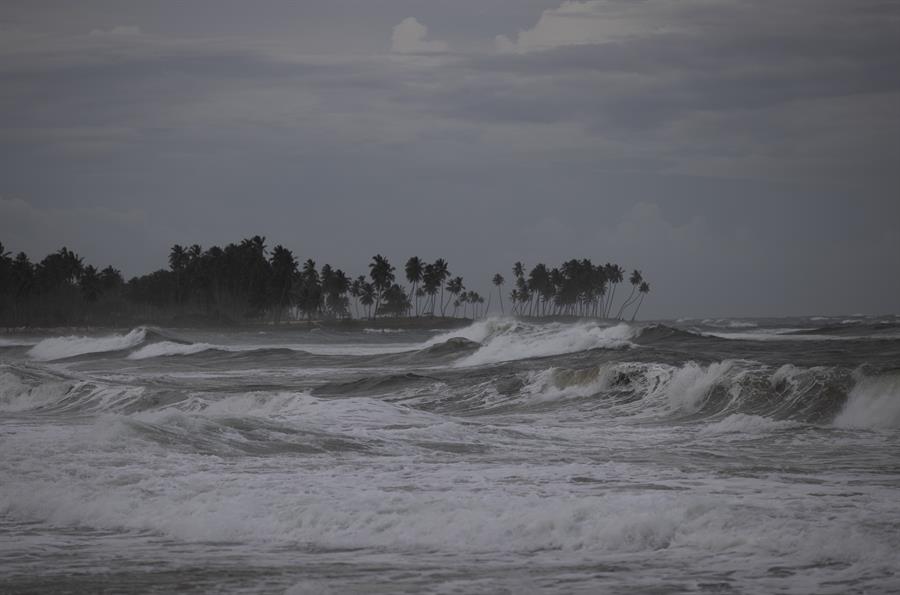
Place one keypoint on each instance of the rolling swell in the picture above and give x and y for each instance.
(687, 393)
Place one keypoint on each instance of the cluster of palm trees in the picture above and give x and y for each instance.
(246, 281)
(56, 290)
(575, 288)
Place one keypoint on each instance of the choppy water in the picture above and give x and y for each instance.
(749, 456)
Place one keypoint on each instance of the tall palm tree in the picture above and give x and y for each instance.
(367, 297)
(498, 281)
(382, 274)
(454, 287)
(614, 275)
(414, 269)
(636, 279)
(443, 273)
(284, 267)
(644, 289)
(431, 281)
(356, 289)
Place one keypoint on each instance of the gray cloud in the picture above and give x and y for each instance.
(718, 146)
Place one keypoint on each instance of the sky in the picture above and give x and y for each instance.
(743, 154)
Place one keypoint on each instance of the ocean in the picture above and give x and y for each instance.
(713, 456)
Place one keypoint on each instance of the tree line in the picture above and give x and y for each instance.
(245, 281)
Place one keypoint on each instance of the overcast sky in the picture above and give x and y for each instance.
(744, 154)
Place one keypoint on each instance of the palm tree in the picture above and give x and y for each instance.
(644, 289)
(442, 273)
(382, 274)
(454, 287)
(90, 284)
(367, 297)
(310, 294)
(636, 279)
(431, 281)
(284, 267)
(356, 291)
(498, 282)
(414, 269)
(614, 275)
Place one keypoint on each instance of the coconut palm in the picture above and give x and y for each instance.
(498, 281)
(382, 274)
(636, 279)
(367, 297)
(614, 276)
(454, 287)
(431, 282)
(414, 269)
(284, 268)
(442, 273)
(644, 289)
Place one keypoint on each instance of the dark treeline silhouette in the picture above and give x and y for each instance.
(247, 282)
(575, 288)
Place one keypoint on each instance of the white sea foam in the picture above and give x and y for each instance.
(63, 347)
(873, 403)
(742, 424)
(166, 348)
(691, 384)
(17, 342)
(18, 395)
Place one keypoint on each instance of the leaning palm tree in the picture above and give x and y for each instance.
(636, 279)
(644, 289)
(614, 275)
(498, 281)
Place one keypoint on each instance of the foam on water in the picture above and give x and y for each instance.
(676, 463)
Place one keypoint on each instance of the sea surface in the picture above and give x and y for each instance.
(693, 456)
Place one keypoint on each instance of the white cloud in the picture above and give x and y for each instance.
(597, 22)
(411, 37)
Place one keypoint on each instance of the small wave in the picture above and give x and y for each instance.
(728, 323)
(743, 424)
(167, 348)
(65, 347)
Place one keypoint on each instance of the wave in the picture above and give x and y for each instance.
(65, 347)
(507, 339)
(168, 348)
(732, 395)
(873, 403)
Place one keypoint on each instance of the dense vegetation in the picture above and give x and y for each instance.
(247, 282)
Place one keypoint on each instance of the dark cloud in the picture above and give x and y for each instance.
(737, 151)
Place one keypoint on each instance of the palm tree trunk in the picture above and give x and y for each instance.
(638, 307)
(626, 302)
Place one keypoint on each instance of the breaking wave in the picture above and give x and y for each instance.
(507, 339)
(732, 395)
(65, 347)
